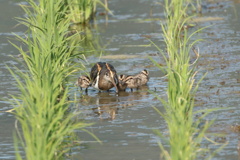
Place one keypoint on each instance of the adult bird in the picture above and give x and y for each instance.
(103, 76)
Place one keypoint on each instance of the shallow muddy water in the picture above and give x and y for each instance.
(125, 122)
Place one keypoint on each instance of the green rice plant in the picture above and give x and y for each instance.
(42, 106)
(184, 134)
(44, 120)
(81, 11)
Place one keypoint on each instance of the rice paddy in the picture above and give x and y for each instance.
(182, 86)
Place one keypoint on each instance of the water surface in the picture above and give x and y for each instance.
(125, 122)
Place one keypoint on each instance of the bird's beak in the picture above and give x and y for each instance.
(113, 82)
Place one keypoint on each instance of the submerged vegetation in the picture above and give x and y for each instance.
(42, 108)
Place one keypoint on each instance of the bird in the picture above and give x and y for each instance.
(143, 76)
(122, 85)
(83, 82)
(132, 82)
(103, 76)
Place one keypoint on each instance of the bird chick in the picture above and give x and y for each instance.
(132, 82)
(122, 85)
(143, 76)
(83, 82)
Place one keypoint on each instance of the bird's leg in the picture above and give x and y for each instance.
(86, 91)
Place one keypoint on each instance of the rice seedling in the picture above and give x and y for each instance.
(42, 106)
(81, 11)
(184, 134)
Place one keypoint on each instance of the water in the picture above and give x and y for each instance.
(125, 122)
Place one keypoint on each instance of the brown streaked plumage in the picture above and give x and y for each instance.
(83, 82)
(132, 82)
(104, 76)
(122, 85)
(143, 76)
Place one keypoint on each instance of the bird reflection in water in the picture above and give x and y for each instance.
(105, 105)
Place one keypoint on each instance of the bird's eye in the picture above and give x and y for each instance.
(107, 74)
